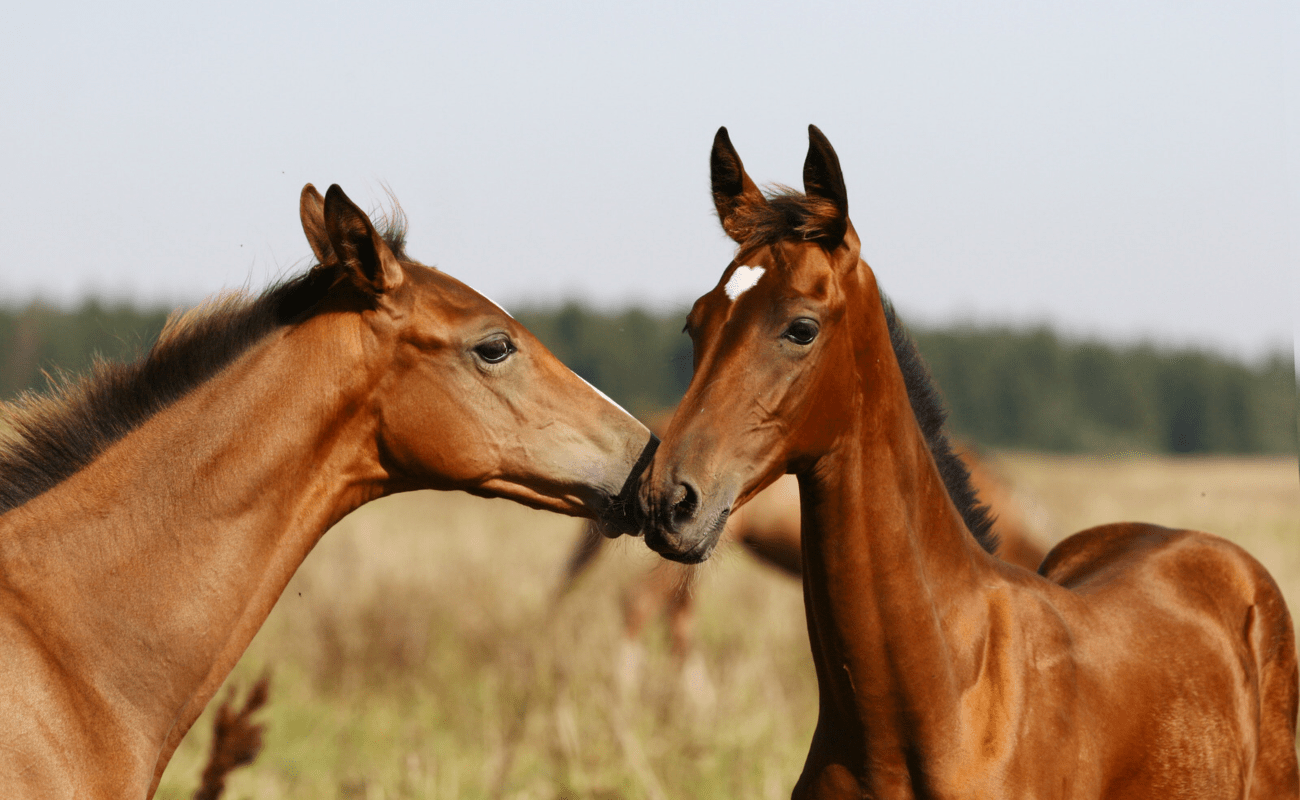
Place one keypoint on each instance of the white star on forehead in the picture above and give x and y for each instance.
(742, 280)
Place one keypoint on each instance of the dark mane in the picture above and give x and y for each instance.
(930, 414)
(59, 433)
(787, 214)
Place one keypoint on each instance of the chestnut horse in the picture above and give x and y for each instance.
(767, 527)
(1140, 661)
(153, 513)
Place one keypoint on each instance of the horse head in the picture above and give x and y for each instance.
(776, 357)
(464, 397)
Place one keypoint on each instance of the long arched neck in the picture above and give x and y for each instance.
(892, 577)
(149, 571)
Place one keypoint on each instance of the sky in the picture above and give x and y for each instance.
(1127, 171)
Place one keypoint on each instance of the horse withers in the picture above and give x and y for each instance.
(1139, 662)
(151, 514)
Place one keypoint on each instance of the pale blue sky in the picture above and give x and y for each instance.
(1119, 169)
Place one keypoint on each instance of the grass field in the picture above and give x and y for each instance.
(419, 651)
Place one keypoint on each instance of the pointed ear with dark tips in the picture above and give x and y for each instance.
(823, 178)
(311, 208)
(359, 249)
(732, 188)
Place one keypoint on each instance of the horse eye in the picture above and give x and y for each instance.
(494, 351)
(801, 331)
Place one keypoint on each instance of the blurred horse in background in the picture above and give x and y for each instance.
(1138, 662)
(767, 527)
(152, 513)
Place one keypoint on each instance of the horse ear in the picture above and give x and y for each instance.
(360, 250)
(311, 208)
(732, 187)
(823, 178)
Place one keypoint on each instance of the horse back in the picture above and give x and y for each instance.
(1206, 616)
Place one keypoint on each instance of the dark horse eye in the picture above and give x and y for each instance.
(494, 351)
(801, 331)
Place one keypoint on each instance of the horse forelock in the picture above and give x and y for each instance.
(786, 214)
(391, 225)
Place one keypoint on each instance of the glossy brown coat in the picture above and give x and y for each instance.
(131, 584)
(1142, 662)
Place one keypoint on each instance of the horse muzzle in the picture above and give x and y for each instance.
(679, 525)
(623, 513)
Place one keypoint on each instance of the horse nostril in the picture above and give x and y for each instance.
(685, 502)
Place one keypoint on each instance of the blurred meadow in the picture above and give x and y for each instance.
(420, 651)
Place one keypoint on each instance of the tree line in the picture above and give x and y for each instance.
(1005, 387)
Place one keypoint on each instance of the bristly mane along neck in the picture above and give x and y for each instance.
(927, 407)
(59, 433)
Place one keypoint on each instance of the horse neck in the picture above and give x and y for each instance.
(892, 577)
(149, 571)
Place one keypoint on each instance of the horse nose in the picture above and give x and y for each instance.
(683, 503)
(670, 504)
(675, 532)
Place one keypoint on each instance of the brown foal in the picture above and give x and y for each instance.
(1141, 662)
(151, 514)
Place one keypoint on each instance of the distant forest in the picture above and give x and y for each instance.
(1011, 388)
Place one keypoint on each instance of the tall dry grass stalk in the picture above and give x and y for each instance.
(236, 738)
(1254, 501)
(418, 652)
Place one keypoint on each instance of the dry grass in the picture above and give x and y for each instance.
(418, 652)
(1254, 501)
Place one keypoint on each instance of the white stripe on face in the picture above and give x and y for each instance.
(742, 280)
(602, 394)
(584, 380)
(498, 305)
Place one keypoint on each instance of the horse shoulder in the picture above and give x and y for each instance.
(46, 739)
(59, 738)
